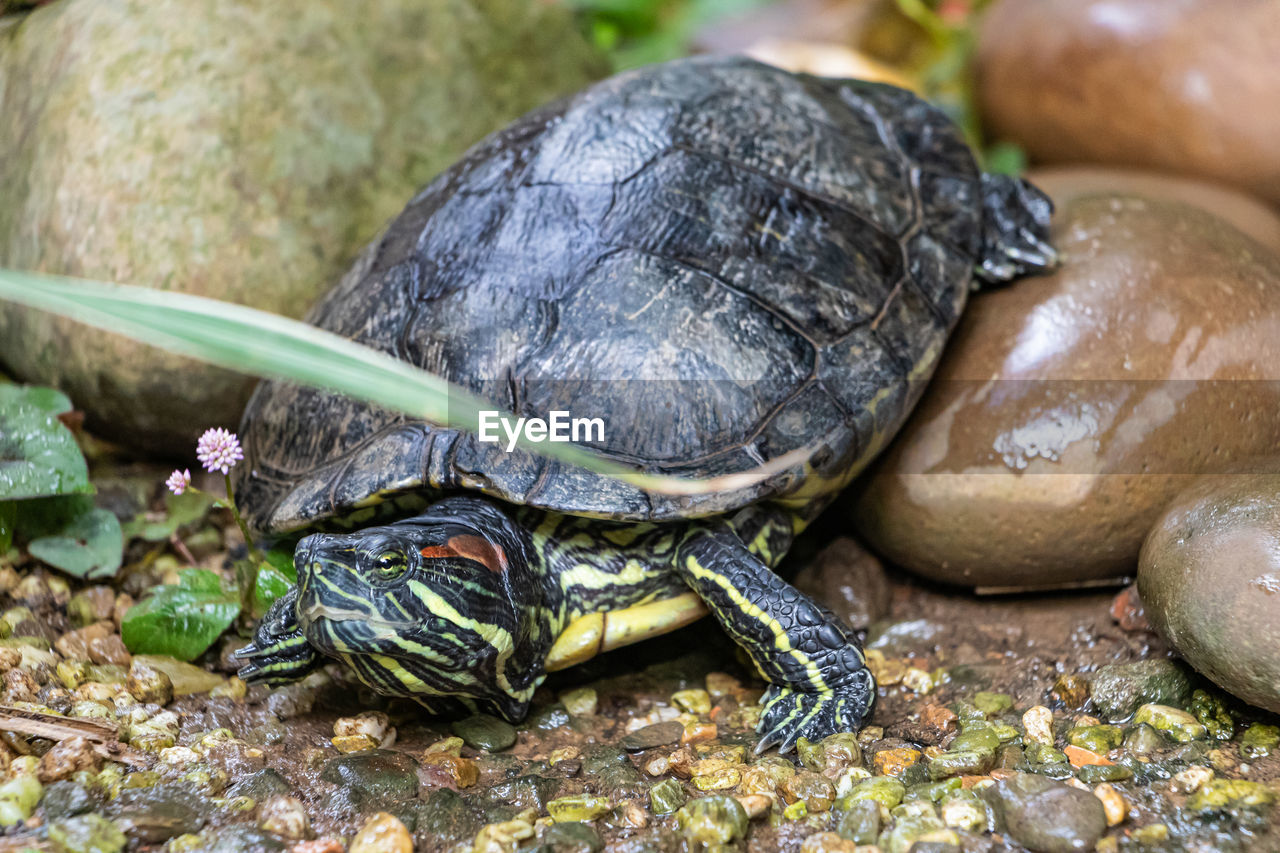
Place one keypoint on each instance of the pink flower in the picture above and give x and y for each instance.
(219, 450)
(178, 481)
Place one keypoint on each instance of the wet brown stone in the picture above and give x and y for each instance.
(1246, 212)
(65, 758)
(1071, 408)
(1188, 87)
(850, 580)
(1210, 577)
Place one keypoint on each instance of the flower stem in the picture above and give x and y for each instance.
(249, 582)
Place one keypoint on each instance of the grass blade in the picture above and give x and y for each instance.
(262, 344)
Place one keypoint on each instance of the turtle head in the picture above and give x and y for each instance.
(1015, 230)
(432, 608)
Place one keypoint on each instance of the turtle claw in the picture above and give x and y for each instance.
(792, 714)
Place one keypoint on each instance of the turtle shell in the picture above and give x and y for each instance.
(722, 261)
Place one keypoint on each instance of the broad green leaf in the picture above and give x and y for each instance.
(262, 344)
(281, 560)
(272, 584)
(182, 619)
(180, 510)
(89, 546)
(38, 454)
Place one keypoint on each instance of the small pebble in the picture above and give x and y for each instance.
(827, 842)
(692, 701)
(816, 790)
(885, 790)
(505, 836)
(861, 822)
(1191, 779)
(918, 680)
(578, 808)
(1175, 723)
(285, 816)
(1259, 740)
(649, 737)
(1113, 804)
(894, 762)
(1217, 794)
(698, 732)
(66, 758)
(1037, 722)
(371, 724)
(319, 845)
(718, 780)
(148, 684)
(756, 805)
(666, 797)
(109, 649)
(484, 732)
(722, 684)
(382, 833)
(18, 798)
(463, 771)
(449, 744)
(86, 833)
(712, 821)
(581, 702)
(347, 744)
(1071, 691)
(964, 813)
(993, 704)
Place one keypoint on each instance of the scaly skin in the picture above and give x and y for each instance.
(460, 605)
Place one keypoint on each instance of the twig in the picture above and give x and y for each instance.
(16, 843)
(104, 734)
(53, 727)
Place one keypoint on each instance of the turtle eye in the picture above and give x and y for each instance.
(389, 565)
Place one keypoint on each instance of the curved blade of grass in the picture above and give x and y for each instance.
(256, 342)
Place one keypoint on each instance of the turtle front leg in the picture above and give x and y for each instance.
(279, 652)
(819, 679)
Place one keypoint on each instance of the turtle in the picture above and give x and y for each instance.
(729, 266)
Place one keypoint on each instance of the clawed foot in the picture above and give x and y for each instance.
(790, 714)
(279, 653)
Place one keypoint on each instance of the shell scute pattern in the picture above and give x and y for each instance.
(783, 239)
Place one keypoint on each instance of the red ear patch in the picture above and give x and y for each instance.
(470, 547)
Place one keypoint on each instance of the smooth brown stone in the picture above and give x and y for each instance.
(1246, 212)
(850, 581)
(1189, 86)
(1209, 576)
(1069, 409)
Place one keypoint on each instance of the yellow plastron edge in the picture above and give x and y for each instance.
(588, 636)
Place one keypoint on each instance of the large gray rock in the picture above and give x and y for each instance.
(234, 149)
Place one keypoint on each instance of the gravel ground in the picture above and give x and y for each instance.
(1041, 722)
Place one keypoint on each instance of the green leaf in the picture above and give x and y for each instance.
(180, 510)
(38, 454)
(89, 546)
(183, 619)
(256, 342)
(272, 584)
(1005, 158)
(281, 560)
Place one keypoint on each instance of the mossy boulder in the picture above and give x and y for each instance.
(239, 150)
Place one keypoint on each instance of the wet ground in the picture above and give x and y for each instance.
(991, 732)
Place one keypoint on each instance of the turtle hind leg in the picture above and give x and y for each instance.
(1015, 230)
(279, 653)
(819, 682)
